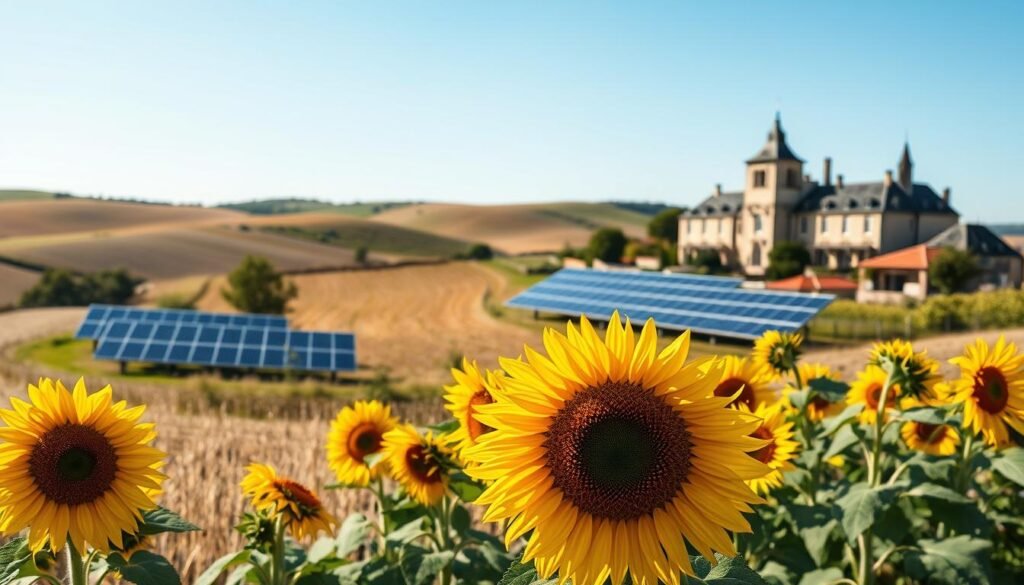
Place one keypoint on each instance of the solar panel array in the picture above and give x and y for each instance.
(704, 304)
(98, 315)
(181, 337)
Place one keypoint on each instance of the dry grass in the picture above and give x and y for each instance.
(410, 320)
(516, 229)
(13, 282)
(175, 253)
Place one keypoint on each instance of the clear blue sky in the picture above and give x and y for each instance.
(518, 101)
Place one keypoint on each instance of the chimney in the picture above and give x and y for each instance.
(888, 178)
(826, 172)
(839, 181)
(807, 179)
(945, 197)
(718, 189)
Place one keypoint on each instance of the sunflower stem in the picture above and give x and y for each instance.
(76, 565)
(277, 572)
(964, 476)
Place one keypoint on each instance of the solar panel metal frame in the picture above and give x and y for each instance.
(678, 305)
(226, 346)
(97, 316)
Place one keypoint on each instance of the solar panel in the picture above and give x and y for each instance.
(98, 315)
(704, 306)
(221, 345)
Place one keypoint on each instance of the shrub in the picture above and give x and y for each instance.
(607, 244)
(665, 225)
(952, 269)
(62, 288)
(480, 252)
(256, 287)
(175, 301)
(786, 259)
(707, 262)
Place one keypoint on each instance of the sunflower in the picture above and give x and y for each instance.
(289, 500)
(356, 432)
(818, 407)
(779, 451)
(914, 371)
(750, 380)
(778, 351)
(413, 459)
(867, 390)
(471, 389)
(75, 467)
(991, 389)
(613, 457)
(941, 440)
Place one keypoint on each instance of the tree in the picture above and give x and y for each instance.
(665, 225)
(362, 253)
(607, 244)
(256, 287)
(480, 252)
(787, 259)
(62, 288)
(952, 269)
(707, 262)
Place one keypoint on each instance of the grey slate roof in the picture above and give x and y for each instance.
(975, 238)
(858, 197)
(775, 148)
(724, 205)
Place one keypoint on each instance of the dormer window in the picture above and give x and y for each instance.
(760, 179)
(874, 203)
(853, 204)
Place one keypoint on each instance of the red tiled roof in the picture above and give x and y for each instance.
(804, 283)
(913, 258)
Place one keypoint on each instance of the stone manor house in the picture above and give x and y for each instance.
(840, 223)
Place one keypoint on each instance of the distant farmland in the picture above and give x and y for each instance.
(517, 229)
(62, 216)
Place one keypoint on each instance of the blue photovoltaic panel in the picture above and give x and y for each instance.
(673, 301)
(230, 346)
(98, 315)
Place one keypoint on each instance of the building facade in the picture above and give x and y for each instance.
(840, 223)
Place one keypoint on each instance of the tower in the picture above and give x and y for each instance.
(906, 170)
(773, 185)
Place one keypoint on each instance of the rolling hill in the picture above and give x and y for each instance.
(517, 229)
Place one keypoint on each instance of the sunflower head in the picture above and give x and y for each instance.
(933, 439)
(472, 388)
(279, 497)
(67, 458)
(778, 351)
(867, 391)
(990, 389)
(357, 432)
(914, 371)
(779, 449)
(417, 463)
(818, 407)
(615, 457)
(745, 382)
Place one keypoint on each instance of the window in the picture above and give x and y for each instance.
(846, 225)
(720, 222)
(867, 224)
(703, 226)
(824, 224)
(689, 226)
(759, 178)
(792, 179)
(757, 223)
(755, 255)
(803, 225)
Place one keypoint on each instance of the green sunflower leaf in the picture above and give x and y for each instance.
(444, 427)
(863, 505)
(407, 533)
(829, 575)
(520, 573)
(829, 389)
(214, 571)
(937, 492)
(16, 562)
(353, 533)
(844, 438)
(726, 571)
(466, 488)
(953, 561)
(924, 414)
(160, 520)
(1010, 464)
(144, 568)
(833, 424)
(421, 566)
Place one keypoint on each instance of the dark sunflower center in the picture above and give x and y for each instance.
(734, 385)
(819, 403)
(422, 465)
(930, 433)
(618, 451)
(73, 464)
(874, 394)
(299, 495)
(364, 440)
(991, 390)
(766, 453)
(474, 428)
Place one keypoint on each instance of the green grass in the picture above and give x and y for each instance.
(376, 237)
(284, 206)
(23, 194)
(595, 215)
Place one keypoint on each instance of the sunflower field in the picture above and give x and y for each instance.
(599, 458)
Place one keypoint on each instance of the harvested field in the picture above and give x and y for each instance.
(13, 282)
(166, 254)
(411, 319)
(58, 216)
(517, 229)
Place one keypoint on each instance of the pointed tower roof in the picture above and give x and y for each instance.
(775, 148)
(906, 169)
